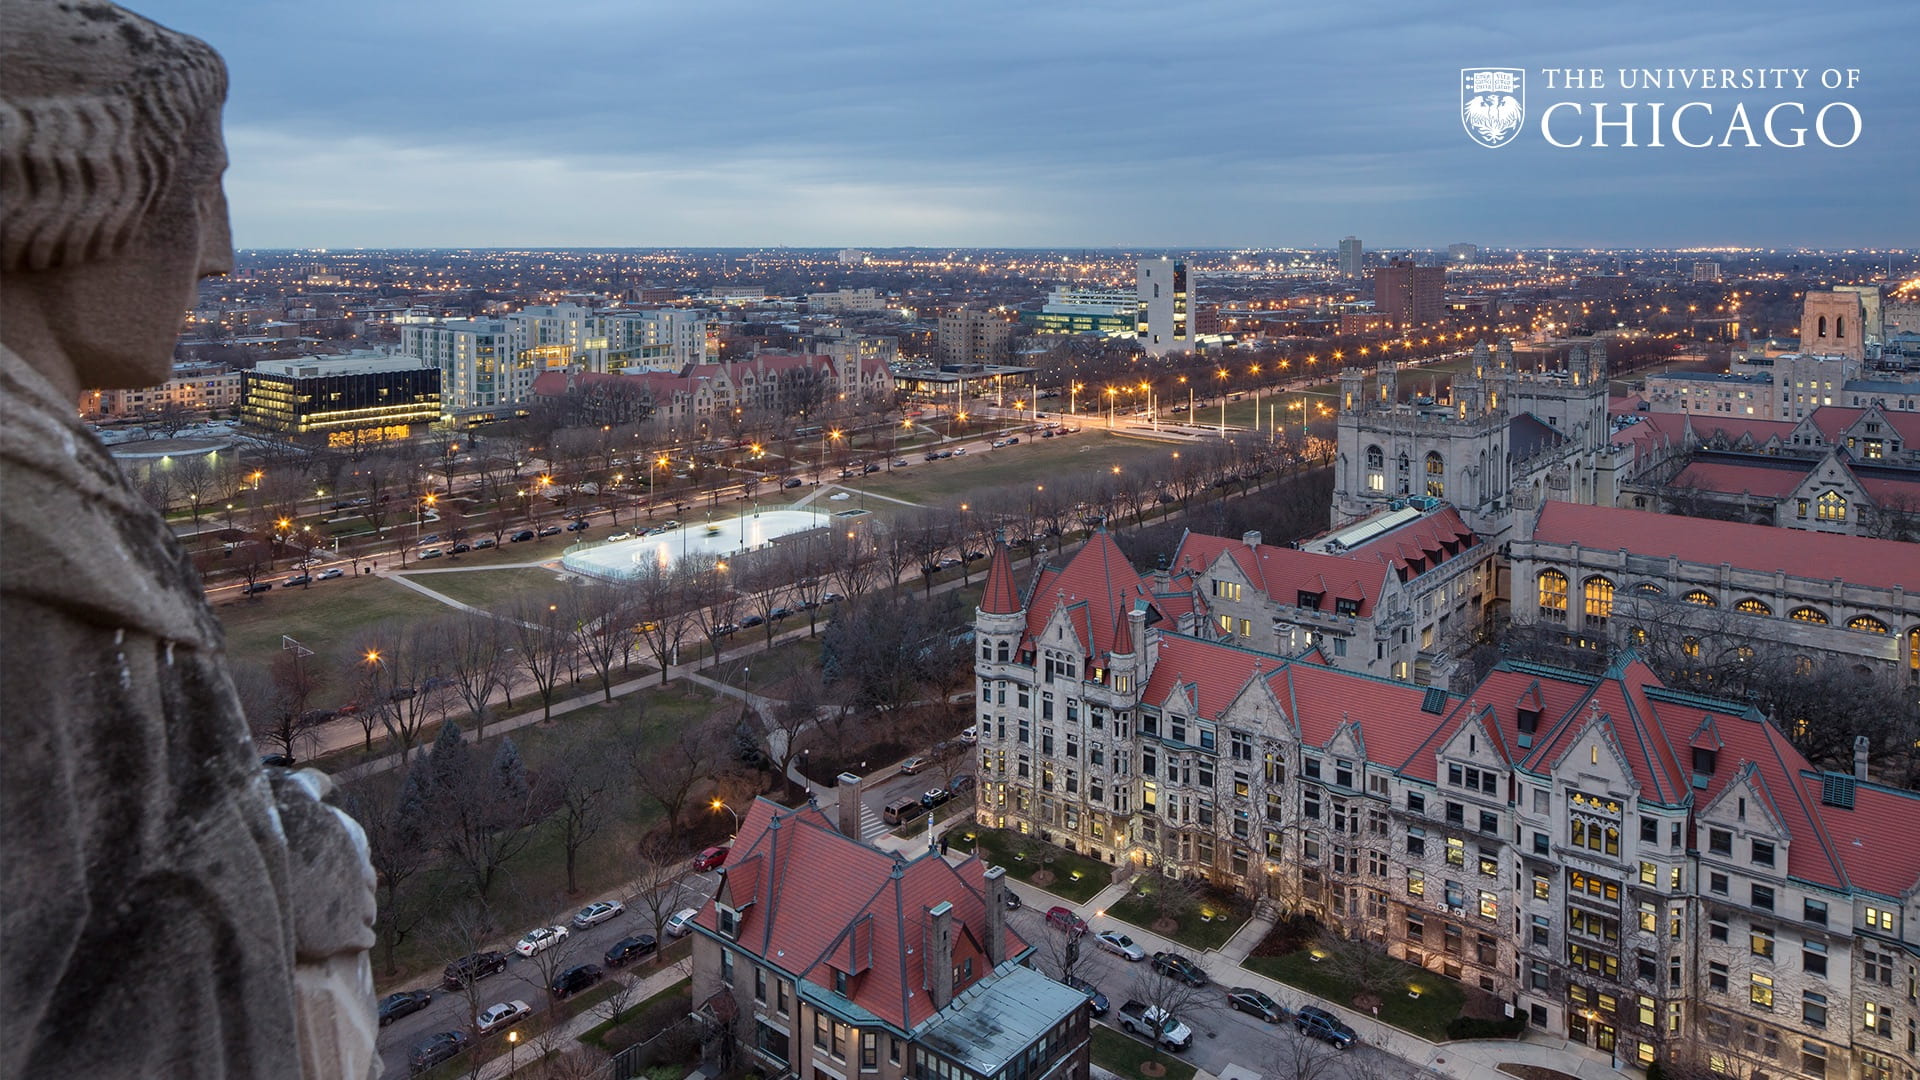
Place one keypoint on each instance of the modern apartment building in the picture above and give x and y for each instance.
(1167, 302)
(971, 336)
(828, 958)
(1408, 295)
(352, 398)
(479, 362)
(1353, 257)
(1647, 870)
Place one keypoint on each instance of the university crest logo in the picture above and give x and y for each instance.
(1493, 104)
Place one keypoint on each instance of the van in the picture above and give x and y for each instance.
(901, 811)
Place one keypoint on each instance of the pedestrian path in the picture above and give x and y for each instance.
(529, 1058)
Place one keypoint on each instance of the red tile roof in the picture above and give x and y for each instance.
(1421, 544)
(1819, 556)
(1834, 419)
(1874, 840)
(1773, 480)
(1283, 573)
(1890, 491)
(811, 899)
(1002, 596)
(1096, 585)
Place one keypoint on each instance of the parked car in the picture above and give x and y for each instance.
(598, 912)
(329, 575)
(1315, 1022)
(462, 548)
(521, 537)
(575, 979)
(899, 463)
(430, 553)
(1254, 1003)
(472, 967)
(501, 1015)
(751, 621)
(1095, 998)
(935, 797)
(258, 587)
(277, 761)
(484, 542)
(712, 858)
(627, 950)
(832, 598)
(297, 579)
(912, 765)
(680, 924)
(430, 538)
(1062, 918)
(1012, 900)
(960, 452)
(779, 613)
(1153, 1022)
(552, 530)
(963, 783)
(1175, 966)
(434, 1049)
(791, 482)
(933, 455)
(970, 736)
(404, 1003)
(871, 469)
(540, 939)
(1119, 944)
(619, 536)
(577, 526)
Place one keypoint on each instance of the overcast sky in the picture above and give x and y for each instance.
(1173, 123)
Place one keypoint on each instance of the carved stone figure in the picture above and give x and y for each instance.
(167, 907)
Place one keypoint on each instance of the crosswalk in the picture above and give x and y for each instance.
(871, 823)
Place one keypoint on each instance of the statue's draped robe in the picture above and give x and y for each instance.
(155, 900)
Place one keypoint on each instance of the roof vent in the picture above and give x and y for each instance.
(1836, 789)
(1435, 702)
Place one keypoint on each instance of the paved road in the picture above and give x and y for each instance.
(522, 978)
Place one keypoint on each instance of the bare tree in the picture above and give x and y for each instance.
(542, 642)
(399, 847)
(669, 774)
(657, 869)
(483, 815)
(1173, 997)
(580, 784)
(601, 618)
(472, 646)
(666, 599)
(399, 674)
(1292, 1055)
(276, 698)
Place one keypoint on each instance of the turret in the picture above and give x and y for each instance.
(999, 620)
(1388, 375)
(1352, 387)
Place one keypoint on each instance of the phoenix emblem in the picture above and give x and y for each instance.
(1493, 104)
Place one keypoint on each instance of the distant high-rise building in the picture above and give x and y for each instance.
(1352, 257)
(974, 337)
(1463, 253)
(478, 362)
(1706, 271)
(855, 257)
(1409, 295)
(1164, 290)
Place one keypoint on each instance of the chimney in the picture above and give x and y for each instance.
(996, 924)
(938, 955)
(849, 804)
(1860, 744)
(1251, 538)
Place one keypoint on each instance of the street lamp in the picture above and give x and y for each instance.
(513, 1051)
(720, 804)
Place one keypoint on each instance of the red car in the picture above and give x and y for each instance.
(711, 858)
(1062, 918)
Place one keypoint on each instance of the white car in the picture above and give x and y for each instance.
(329, 575)
(540, 939)
(598, 912)
(970, 736)
(503, 1014)
(1119, 944)
(681, 923)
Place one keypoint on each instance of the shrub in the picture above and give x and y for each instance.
(1467, 1027)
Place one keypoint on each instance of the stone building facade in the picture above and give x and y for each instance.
(1640, 868)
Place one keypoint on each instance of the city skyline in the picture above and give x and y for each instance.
(1137, 126)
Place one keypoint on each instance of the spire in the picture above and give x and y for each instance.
(1002, 597)
(1122, 634)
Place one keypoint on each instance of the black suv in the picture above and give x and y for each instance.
(1318, 1023)
(1175, 966)
(435, 1049)
(472, 967)
(627, 950)
(575, 979)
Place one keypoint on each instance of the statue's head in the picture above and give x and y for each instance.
(110, 201)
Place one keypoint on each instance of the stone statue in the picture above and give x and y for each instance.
(169, 908)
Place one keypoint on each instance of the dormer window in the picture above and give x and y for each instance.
(840, 983)
(1703, 760)
(1344, 606)
(728, 920)
(1310, 600)
(1528, 721)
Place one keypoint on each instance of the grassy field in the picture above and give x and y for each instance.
(1426, 1016)
(1075, 877)
(1202, 927)
(324, 617)
(1014, 468)
(1122, 1054)
(488, 588)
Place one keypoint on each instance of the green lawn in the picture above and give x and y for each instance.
(1075, 877)
(1204, 925)
(641, 1018)
(1014, 468)
(1440, 998)
(1122, 1054)
(486, 588)
(323, 617)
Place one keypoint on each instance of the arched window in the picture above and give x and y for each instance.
(1913, 650)
(1702, 598)
(1376, 458)
(1803, 666)
(1648, 588)
(1743, 654)
(1754, 607)
(1866, 624)
(1376, 469)
(1690, 646)
(1840, 328)
(1003, 652)
(1436, 475)
(1823, 326)
(1831, 506)
(1810, 615)
(1599, 600)
(1553, 593)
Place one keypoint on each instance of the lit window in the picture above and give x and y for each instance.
(1809, 615)
(1867, 624)
(1754, 607)
(1830, 506)
(1599, 600)
(1701, 598)
(1553, 593)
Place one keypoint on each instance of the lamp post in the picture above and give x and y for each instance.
(720, 804)
(1223, 403)
(513, 1051)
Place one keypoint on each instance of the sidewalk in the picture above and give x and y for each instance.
(569, 1033)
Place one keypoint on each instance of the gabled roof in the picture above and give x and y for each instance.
(812, 900)
(1833, 421)
(1421, 544)
(1773, 478)
(1096, 585)
(1002, 596)
(1818, 556)
(1283, 573)
(1874, 839)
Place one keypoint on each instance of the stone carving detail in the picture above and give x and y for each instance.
(171, 909)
